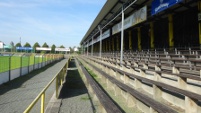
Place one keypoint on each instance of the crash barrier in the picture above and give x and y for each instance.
(179, 91)
(14, 65)
(58, 80)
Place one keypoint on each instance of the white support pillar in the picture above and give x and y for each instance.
(87, 47)
(82, 47)
(92, 47)
(100, 52)
(122, 35)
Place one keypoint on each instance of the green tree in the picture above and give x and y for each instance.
(53, 48)
(62, 46)
(36, 45)
(18, 45)
(27, 45)
(45, 45)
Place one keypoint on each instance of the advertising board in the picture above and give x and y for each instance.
(137, 17)
(160, 5)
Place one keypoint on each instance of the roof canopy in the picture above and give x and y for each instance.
(109, 14)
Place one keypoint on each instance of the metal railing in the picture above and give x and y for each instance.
(59, 77)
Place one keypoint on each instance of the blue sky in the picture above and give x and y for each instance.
(59, 22)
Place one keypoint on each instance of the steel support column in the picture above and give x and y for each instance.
(122, 35)
(199, 9)
(106, 47)
(130, 39)
(139, 38)
(109, 41)
(152, 35)
(171, 38)
(92, 47)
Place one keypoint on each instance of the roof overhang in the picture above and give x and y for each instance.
(112, 7)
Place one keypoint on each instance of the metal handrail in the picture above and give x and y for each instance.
(59, 81)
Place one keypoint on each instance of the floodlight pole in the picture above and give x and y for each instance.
(100, 40)
(122, 35)
(20, 41)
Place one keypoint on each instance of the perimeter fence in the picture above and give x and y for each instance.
(14, 65)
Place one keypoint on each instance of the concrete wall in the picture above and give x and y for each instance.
(40, 65)
(31, 68)
(43, 64)
(36, 66)
(4, 77)
(14, 73)
(24, 70)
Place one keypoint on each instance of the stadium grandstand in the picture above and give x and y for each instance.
(147, 24)
(139, 56)
(151, 46)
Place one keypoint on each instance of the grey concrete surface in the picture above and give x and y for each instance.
(16, 95)
(74, 94)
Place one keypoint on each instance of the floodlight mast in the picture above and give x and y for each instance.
(20, 41)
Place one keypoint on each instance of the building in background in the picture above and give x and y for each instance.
(1, 46)
(75, 49)
(5, 48)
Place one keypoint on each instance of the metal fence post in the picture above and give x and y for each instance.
(9, 67)
(34, 63)
(28, 62)
(21, 65)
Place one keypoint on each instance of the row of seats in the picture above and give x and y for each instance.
(173, 72)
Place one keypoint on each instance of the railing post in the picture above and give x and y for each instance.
(42, 103)
(57, 87)
(61, 78)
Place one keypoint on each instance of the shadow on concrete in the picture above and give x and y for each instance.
(74, 85)
(17, 83)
